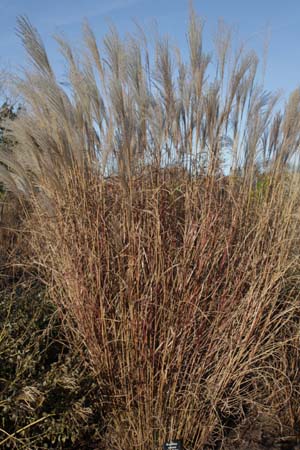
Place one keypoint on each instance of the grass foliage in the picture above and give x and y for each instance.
(162, 216)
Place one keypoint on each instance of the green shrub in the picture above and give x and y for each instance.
(48, 397)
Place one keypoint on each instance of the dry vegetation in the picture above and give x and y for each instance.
(162, 215)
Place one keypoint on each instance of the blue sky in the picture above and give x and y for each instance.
(255, 20)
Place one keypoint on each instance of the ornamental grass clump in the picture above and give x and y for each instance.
(163, 220)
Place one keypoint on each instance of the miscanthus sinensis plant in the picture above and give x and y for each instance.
(162, 201)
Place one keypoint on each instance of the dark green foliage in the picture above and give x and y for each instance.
(41, 379)
(7, 111)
